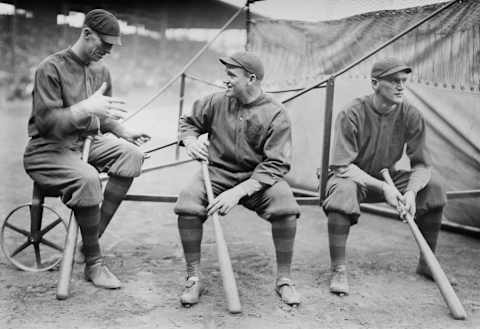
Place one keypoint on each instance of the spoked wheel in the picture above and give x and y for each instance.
(28, 245)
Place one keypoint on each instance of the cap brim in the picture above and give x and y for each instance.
(111, 39)
(396, 69)
(227, 61)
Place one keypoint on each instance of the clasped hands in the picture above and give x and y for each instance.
(405, 204)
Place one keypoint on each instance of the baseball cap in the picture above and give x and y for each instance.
(105, 24)
(388, 66)
(245, 60)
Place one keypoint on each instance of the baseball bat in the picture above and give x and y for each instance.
(228, 279)
(66, 265)
(448, 294)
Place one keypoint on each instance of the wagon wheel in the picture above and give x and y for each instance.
(22, 231)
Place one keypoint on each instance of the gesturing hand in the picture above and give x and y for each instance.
(105, 106)
(197, 149)
(135, 137)
(225, 202)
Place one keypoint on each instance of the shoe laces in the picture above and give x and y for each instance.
(191, 281)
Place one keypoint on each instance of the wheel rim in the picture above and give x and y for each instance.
(40, 252)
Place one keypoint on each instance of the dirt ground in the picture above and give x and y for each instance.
(142, 248)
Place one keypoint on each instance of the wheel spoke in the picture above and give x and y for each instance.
(50, 226)
(38, 259)
(51, 244)
(23, 246)
(17, 229)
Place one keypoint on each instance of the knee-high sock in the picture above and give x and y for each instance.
(88, 219)
(338, 229)
(284, 229)
(429, 224)
(191, 231)
(113, 195)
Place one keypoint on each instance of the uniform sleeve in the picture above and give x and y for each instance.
(345, 144)
(277, 150)
(417, 152)
(199, 121)
(50, 115)
(416, 135)
(107, 124)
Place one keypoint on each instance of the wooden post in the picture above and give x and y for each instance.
(180, 113)
(13, 45)
(327, 131)
(247, 24)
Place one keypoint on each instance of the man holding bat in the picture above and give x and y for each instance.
(370, 134)
(71, 100)
(249, 153)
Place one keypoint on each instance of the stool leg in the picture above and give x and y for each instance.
(36, 214)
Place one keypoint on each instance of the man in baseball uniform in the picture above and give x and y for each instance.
(71, 100)
(249, 153)
(371, 134)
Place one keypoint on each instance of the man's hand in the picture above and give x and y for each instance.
(104, 106)
(197, 149)
(134, 137)
(409, 202)
(225, 201)
(393, 197)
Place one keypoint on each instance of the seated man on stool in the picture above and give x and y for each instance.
(249, 152)
(370, 134)
(72, 99)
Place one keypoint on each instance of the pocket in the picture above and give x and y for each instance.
(254, 132)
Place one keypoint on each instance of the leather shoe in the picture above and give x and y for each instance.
(191, 293)
(285, 288)
(99, 274)
(339, 281)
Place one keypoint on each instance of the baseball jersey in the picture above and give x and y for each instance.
(373, 140)
(62, 80)
(244, 138)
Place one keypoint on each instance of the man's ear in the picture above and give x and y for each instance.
(252, 77)
(86, 32)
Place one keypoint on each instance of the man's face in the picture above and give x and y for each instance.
(237, 81)
(96, 47)
(391, 88)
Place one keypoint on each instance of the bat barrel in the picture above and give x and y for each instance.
(228, 279)
(446, 289)
(66, 265)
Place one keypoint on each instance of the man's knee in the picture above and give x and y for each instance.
(189, 204)
(342, 197)
(280, 202)
(431, 196)
(129, 161)
(89, 179)
(84, 191)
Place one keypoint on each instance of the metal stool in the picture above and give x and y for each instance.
(23, 227)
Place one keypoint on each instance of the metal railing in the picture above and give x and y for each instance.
(328, 83)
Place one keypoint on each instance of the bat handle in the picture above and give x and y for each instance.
(388, 179)
(386, 176)
(208, 183)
